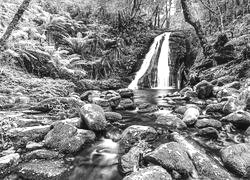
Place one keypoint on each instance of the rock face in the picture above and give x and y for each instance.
(204, 89)
(240, 119)
(237, 158)
(171, 121)
(133, 134)
(67, 138)
(131, 160)
(44, 170)
(149, 173)
(93, 117)
(171, 156)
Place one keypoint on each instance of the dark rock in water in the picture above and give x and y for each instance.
(114, 133)
(204, 89)
(113, 98)
(41, 154)
(28, 133)
(171, 121)
(240, 119)
(171, 156)
(67, 138)
(93, 117)
(206, 167)
(209, 132)
(147, 108)
(126, 93)
(149, 173)
(202, 123)
(44, 170)
(113, 116)
(233, 105)
(237, 158)
(191, 116)
(126, 104)
(134, 134)
(221, 40)
(131, 160)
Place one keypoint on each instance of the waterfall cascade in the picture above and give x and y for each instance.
(163, 69)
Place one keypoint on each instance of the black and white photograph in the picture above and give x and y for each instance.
(124, 89)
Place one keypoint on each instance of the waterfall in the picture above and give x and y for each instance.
(163, 60)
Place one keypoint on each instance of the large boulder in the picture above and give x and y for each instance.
(149, 173)
(134, 134)
(131, 160)
(237, 158)
(67, 138)
(204, 89)
(93, 117)
(171, 121)
(171, 156)
(113, 116)
(191, 116)
(240, 119)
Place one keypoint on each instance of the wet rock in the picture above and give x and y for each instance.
(218, 107)
(114, 133)
(184, 90)
(131, 160)
(89, 95)
(240, 119)
(227, 92)
(180, 109)
(235, 85)
(171, 156)
(67, 138)
(149, 173)
(147, 108)
(247, 132)
(24, 122)
(171, 121)
(34, 145)
(126, 104)
(29, 133)
(134, 134)
(44, 170)
(126, 93)
(73, 121)
(233, 105)
(41, 154)
(245, 97)
(204, 89)
(237, 158)
(113, 116)
(190, 94)
(191, 116)
(104, 103)
(8, 161)
(202, 123)
(208, 132)
(206, 167)
(93, 117)
(113, 98)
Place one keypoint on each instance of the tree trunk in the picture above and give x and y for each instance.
(14, 21)
(194, 22)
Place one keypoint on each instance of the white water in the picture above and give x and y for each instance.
(146, 62)
(163, 67)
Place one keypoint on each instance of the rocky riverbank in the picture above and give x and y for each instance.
(203, 133)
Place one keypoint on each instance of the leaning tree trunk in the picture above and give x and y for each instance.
(194, 22)
(14, 22)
